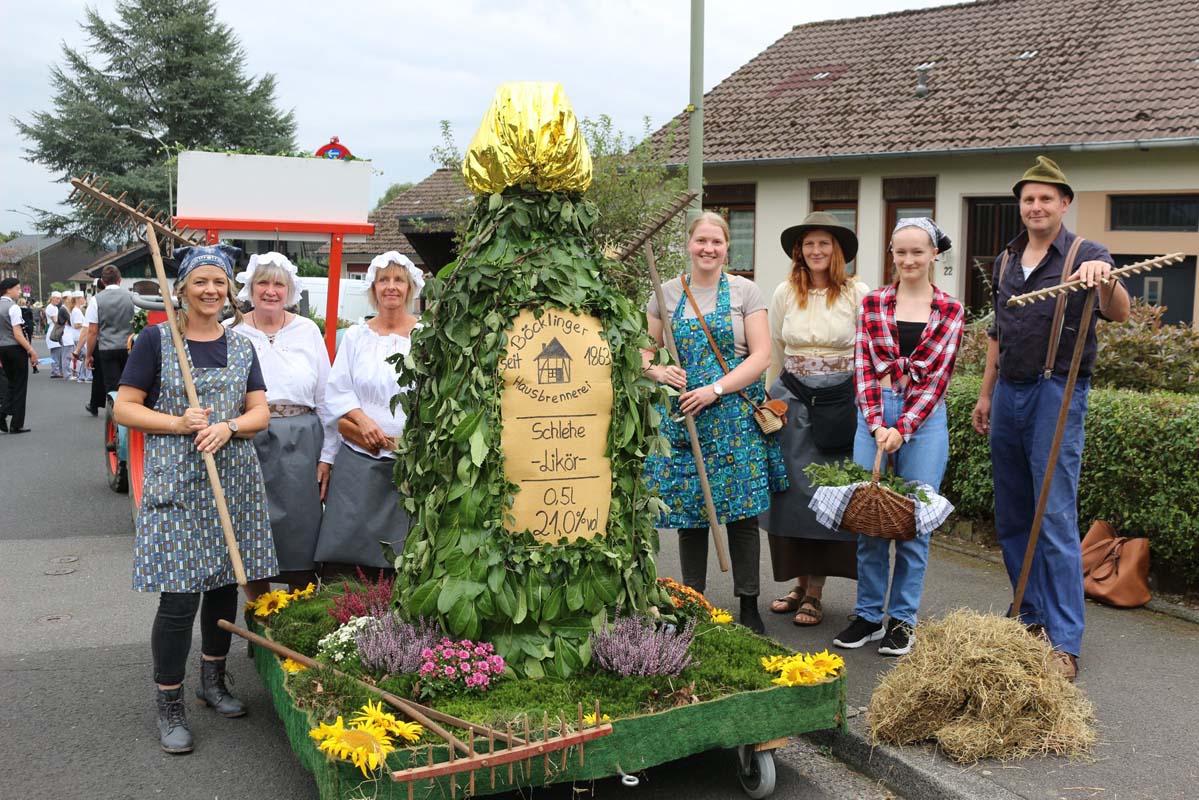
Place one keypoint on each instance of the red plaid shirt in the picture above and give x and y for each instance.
(876, 353)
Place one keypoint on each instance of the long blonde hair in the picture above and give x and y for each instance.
(801, 275)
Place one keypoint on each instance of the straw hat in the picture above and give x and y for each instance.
(821, 221)
(1045, 170)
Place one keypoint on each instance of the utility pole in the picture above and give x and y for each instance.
(695, 147)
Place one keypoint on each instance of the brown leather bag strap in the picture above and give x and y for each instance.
(1059, 310)
(704, 324)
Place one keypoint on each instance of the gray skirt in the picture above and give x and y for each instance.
(789, 515)
(289, 450)
(362, 512)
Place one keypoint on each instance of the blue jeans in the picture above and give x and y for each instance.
(922, 458)
(1023, 420)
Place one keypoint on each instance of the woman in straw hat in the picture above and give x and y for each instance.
(297, 448)
(180, 550)
(363, 510)
(744, 465)
(813, 319)
(907, 342)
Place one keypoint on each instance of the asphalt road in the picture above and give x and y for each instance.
(75, 670)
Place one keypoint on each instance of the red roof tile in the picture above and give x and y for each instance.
(1103, 71)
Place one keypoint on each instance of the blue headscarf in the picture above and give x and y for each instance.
(217, 255)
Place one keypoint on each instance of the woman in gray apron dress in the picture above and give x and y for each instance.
(363, 514)
(813, 321)
(296, 451)
(179, 549)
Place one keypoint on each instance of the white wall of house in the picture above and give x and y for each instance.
(783, 199)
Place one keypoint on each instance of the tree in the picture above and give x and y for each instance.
(163, 68)
(392, 192)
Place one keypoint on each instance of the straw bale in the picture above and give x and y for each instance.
(981, 686)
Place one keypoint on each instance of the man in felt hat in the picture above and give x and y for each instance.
(1021, 398)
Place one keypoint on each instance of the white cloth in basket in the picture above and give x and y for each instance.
(829, 503)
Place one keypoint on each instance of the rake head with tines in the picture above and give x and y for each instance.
(655, 224)
(1074, 286)
(90, 194)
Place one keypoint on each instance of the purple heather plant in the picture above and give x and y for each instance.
(393, 646)
(634, 645)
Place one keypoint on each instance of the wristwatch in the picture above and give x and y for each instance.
(718, 389)
(232, 425)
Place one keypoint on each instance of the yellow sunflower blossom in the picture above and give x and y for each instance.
(373, 715)
(271, 603)
(798, 672)
(589, 718)
(721, 617)
(826, 663)
(774, 663)
(366, 747)
(301, 594)
(408, 731)
(325, 730)
(292, 666)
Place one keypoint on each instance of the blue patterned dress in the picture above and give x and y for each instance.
(179, 545)
(744, 465)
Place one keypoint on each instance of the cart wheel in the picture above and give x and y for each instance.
(116, 470)
(757, 773)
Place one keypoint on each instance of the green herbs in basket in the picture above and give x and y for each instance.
(846, 471)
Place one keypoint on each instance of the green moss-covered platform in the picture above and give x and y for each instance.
(635, 743)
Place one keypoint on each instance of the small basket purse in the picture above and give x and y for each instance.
(875, 510)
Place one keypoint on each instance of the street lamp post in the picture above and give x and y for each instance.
(166, 147)
(39, 250)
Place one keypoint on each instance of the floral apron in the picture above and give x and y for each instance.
(744, 465)
(179, 545)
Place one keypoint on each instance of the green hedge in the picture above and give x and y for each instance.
(1140, 469)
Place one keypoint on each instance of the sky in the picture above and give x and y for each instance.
(382, 75)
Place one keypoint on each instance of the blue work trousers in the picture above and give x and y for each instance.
(922, 458)
(1023, 419)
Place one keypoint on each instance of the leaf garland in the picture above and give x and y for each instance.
(536, 602)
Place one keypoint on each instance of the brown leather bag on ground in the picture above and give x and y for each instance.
(1115, 569)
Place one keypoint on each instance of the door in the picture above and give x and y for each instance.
(991, 222)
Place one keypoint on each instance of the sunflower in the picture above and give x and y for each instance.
(798, 672)
(589, 718)
(721, 617)
(301, 594)
(271, 603)
(774, 663)
(373, 715)
(826, 662)
(292, 666)
(366, 747)
(325, 730)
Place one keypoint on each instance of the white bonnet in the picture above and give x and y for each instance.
(395, 257)
(246, 279)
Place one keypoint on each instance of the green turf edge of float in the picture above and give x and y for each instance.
(636, 743)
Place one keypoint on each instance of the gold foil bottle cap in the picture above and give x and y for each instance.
(529, 136)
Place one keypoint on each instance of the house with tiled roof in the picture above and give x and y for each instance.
(39, 261)
(938, 111)
(418, 223)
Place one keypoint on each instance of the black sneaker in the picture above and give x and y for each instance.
(858, 633)
(898, 640)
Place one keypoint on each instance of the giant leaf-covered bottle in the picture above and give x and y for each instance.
(529, 417)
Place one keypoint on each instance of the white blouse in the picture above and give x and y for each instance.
(296, 371)
(70, 334)
(362, 378)
(817, 330)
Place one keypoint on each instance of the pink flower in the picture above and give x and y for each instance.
(427, 668)
(465, 643)
(464, 666)
(449, 670)
(463, 654)
(482, 667)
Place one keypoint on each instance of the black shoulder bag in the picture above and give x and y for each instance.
(832, 412)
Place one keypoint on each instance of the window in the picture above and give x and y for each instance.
(736, 203)
(905, 197)
(1152, 291)
(1155, 212)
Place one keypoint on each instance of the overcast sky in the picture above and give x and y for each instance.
(380, 75)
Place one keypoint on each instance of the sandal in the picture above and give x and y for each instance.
(788, 604)
(810, 612)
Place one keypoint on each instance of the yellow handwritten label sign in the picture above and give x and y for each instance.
(556, 409)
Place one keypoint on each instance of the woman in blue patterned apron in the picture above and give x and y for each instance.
(744, 466)
(179, 550)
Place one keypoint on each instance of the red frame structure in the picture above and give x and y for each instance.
(337, 232)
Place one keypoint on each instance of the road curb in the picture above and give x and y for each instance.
(1155, 605)
(913, 772)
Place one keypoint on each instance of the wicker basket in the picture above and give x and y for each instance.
(875, 510)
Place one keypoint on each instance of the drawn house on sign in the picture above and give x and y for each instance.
(553, 363)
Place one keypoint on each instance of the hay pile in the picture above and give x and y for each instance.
(982, 687)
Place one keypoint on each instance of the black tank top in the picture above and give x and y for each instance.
(909, 336)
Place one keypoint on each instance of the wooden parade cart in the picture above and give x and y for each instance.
(755, 723)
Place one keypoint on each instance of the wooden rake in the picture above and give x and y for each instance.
(642, 239)
(149, 224)
(1084, 327)
(515, 746)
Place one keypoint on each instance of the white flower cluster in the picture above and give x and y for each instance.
(343, 642)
